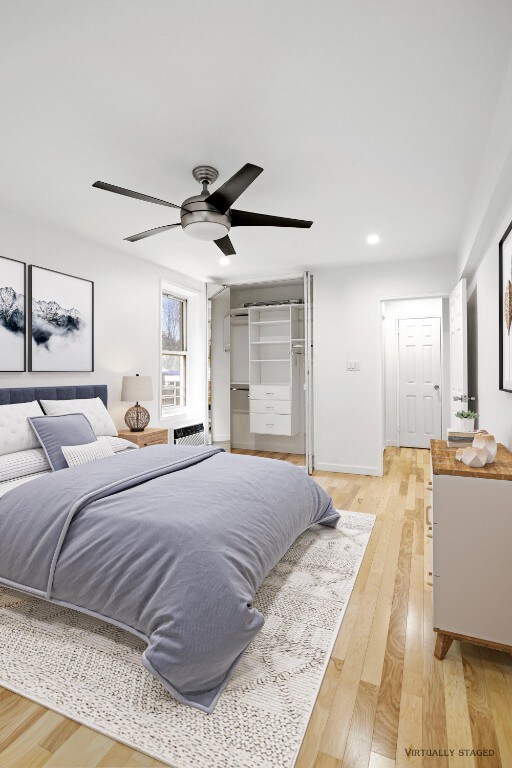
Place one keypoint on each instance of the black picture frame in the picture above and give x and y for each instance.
(33, 365)
(25, 319)
(504, 384)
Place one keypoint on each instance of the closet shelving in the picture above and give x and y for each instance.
(276, 334)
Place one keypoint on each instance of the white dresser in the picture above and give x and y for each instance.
(471, 550)
(276, 338)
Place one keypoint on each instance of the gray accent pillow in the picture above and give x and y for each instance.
(55, 431)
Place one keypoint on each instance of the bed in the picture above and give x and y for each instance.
(168, 542)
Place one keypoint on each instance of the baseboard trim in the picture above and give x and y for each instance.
(345, 469)
(221, 439)
(391, 443)
(275, 448)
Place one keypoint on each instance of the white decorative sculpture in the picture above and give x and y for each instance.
(487, 443)
(474, 457)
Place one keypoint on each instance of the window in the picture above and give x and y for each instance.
(174, 353)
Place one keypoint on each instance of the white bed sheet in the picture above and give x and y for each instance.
(117, 444)
(8, 485)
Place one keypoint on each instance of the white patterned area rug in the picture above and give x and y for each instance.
(92, 672)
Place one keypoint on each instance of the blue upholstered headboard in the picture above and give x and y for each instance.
(27, 394)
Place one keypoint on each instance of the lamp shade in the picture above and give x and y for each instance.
(136, 388)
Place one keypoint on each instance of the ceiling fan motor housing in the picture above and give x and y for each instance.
(202, 220)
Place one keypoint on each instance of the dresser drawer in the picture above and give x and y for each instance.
(270, 406)
(271, 424)
(270, 392)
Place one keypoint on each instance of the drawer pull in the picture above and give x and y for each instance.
(269, 407)
(269, 393)
(269, 425)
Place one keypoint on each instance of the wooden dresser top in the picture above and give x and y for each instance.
(445, 463)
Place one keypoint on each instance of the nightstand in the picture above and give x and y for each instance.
(150, 436)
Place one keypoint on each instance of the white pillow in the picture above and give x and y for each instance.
(22, 463)
(82, 454)
(100, 419)
(118, 444)
(16, 434)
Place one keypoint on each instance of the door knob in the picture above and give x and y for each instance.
(436, 386)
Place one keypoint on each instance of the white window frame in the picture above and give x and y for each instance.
(175, 410)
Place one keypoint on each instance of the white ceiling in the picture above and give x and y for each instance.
(367, 116)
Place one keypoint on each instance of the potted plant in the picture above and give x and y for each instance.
(466, 420)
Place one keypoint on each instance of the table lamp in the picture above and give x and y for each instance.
(137, 388)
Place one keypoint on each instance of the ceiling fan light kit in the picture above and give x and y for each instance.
(209, 216)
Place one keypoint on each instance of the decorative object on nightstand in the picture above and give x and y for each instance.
(150, 436)
(136, 388)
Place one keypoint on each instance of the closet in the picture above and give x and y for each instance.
(259, 393)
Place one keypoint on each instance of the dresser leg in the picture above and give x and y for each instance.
(443, 643)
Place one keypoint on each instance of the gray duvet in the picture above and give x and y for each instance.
(170, 543)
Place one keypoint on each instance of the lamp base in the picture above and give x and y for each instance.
(136, 418)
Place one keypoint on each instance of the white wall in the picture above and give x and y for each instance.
(488, 217)
(493, 188)
(393, 311)
(127, 313)
(494, 407)
(347, 326)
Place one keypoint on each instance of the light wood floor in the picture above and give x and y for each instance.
(383, 691)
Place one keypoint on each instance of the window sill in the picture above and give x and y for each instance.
(178, 413)
(181, 417)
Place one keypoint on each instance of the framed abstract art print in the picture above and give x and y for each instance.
(13, 310)
(61, 321)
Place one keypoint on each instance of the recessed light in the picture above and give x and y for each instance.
(224, 260)
(373, 239)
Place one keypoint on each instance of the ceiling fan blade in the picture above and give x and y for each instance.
(249, 219)
(224, 197)
(225, 245)
(149, 232)
(130, 193)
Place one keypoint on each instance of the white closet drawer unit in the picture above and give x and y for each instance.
(273, 424)
(270, 392)
(270, 406)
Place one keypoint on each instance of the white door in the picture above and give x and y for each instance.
(217, 405)
(419, 381)
(458, 351)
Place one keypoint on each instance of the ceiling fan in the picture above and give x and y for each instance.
(209, 216)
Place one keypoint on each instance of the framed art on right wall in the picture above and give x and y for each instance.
(505, 310)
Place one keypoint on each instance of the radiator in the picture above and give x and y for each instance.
(193, 435)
